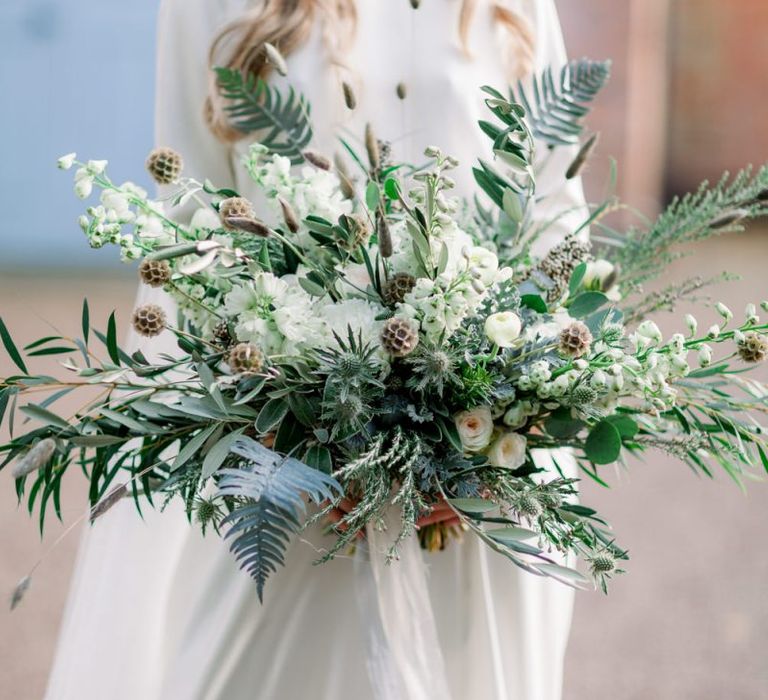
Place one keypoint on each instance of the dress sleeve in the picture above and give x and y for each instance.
(185, 30)
(556, 194)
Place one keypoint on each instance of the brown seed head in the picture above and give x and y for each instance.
(149, 320)
(399, 337)
(164, 165)
(235, 208)
(155, 273)
(397, 287)
(575, 340)
(754, 347)
(245, 358)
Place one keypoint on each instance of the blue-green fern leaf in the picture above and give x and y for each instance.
(254, 106)
(555, 108)
(270, 493)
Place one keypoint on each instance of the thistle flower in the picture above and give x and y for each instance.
(35, 459)
(245, 358)
(754, 347)
(276, 58)
(397, 287)
(154, 273)
(399, 337)
(149, 320)
(164, 165)
(527, 505)
(575, 340)
(583, 395)
(349, 95)
(603, 563)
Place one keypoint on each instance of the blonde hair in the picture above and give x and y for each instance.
(287, 24)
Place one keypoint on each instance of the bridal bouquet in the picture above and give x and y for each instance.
(369, 337)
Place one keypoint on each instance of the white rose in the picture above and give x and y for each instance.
(503, 328)
(508, 451)
(475, 428)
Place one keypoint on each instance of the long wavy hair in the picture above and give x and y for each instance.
(287, 24)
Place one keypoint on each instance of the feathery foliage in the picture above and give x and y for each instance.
(268, 491)
(554, 110)
(254, 106)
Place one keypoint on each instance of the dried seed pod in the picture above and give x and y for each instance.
(164, 165)
(753, 347)
(249, 225)
(245, 358)
(318, 160)
(582, 157)
(401, 90)
(149, 320)
(345, 181)
(397, 287)
(384, 236)
(222, 335)
(372, 147)
(154, 273)
(276, 58)
(349, 95)
(399, 337)
(235, 208)
(415, 4)
(20, 591)
(575, 340)
(114, 497)
(35, 459)
(289, 216)
(360, 231)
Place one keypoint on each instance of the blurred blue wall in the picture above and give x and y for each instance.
(75, 75)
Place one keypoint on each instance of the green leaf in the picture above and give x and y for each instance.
(448, 428)
(112, 348)
(59, 350)
(302, 408)
(627, 427)
(564, 574)
(603, 445)
(586, 303)
(86, 321)
(44, 415)
(96, 440)
(473, 506)
(311, 288)
(219, 452)
(577, 277)
(10, 348)
(505, 535)
(271, 414)
(511, 204)
(562, 425)
(193, 446)
(534, 302)
(289, 435)
(392, 188)
(319, 457)
(372, 196)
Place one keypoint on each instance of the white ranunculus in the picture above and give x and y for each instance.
(508, 450)
(475, 428)
(503, 328)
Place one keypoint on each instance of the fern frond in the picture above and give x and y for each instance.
(255, 106)
(269, 492)
(555, 109)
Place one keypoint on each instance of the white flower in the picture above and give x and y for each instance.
(96, 167)
(356, 315)
(597, 273)
(475, 428)
(751, 313)
(205, 218)
(692, 324)
(650, 331)
(84, 187)
(118, 204)
(484, 265)
(714, 331)
(67, 161)
(508, 451)
(503, 328)
(724, 311)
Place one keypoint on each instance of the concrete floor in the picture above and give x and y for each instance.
(688, 621)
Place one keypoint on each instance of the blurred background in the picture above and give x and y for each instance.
(688, 99)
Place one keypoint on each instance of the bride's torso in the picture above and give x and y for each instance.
(412, 80)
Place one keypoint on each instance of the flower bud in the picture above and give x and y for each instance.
(96, 167)
(84, 187)
(724, 311)
(650, 331)
(714, 331)
(751, 313)
(692, 324)
(67, 161)
(705, 356)
(503, 328)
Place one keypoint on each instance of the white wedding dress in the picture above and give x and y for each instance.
(159, 612)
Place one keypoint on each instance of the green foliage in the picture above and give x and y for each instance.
(555, 108)
(281, 122)
(268, 494)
